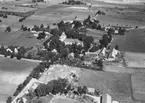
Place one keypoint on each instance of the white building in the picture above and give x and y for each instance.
(73, 41)
(54, 1)
(62, 37)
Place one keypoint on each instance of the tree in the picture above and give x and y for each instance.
(105, 40)
(47, 28)
(116, 47)
(19, 56)
(8, 29)
(5, 16)
(86, 46)
(22, 26)
(121, 31)
(12, 55)
(41, 26)
(84, 89)
(80, 90)
(89, 39)
(41, 90)
(87, 21)
(2, 50)
(99, 27)
(41, 35)
(55, 32)
(77, 24)
(99, 63)
(39, 101)
(34, 1)
(9, 100)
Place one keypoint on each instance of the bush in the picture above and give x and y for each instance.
(9, 100)
(12, 56)
(99, 63)
(5, 16)
(19, 56)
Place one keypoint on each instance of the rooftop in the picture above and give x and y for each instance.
(72, 40)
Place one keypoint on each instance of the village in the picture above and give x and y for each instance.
(79, 60)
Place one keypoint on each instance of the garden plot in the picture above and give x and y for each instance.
(132, 41)
(117, 85)
(58, 71)
(58, 99)
(135, 60)
(138, 85)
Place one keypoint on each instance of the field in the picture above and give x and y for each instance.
(132, 41)
(12, 73)
(138, 84)
(135, 60)
(116, 14)
(63, 100)
(117, 85)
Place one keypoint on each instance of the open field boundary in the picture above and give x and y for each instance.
(24, 59)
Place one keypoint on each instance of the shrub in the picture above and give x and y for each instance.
(19, 57)
(12, 55)
(5, 16)
(9, 100)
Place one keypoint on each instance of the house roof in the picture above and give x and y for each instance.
(73, 40)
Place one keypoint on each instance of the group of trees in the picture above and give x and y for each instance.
(54, 87)
(23, 18)
(40, 28)
(8, 29)
(73, 2)
(24, 28)
(3, 15)
(99, 12)
(37, 1)
(92, 23)
(22, 52)
(121, 31)
(61, 86)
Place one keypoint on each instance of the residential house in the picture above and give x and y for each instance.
(91, 90)
(73, 41)
(62, 37)
(96, 99)
(106, 98)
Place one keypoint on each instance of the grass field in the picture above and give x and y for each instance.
(118, 85)
(138, 84)
(65, 100)
(12, 73)
(132, 41)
